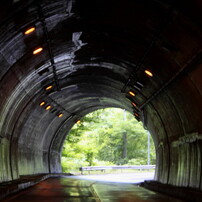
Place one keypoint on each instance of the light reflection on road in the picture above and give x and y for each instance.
(121, 178)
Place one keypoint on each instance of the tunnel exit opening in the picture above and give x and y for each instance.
(106, 138)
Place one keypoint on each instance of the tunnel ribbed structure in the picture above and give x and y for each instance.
(93, 53)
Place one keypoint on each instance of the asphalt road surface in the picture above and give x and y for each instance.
(122, 177)
(69, 189)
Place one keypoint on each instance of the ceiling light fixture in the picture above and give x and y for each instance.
(60, 115)
(42, 103)
(37, 50)
(148, 73)
(49, 87)
(48, 107)
(131, 93)
(29, 30)
(134, 104)
(137, 115)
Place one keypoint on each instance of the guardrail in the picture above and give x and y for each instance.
(103, 168)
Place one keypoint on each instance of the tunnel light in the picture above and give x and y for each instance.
(37, 50)
(136, 114)
(60, 115)
(48, 107)
(148, 73)
(42, 103)
(131, 93)
(78, 122)
(134, 105)
(49, 87)
(29, 30)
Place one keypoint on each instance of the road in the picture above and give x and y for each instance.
(122, 177)
(69, 189)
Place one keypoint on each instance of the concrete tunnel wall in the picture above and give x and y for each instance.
(94, 52)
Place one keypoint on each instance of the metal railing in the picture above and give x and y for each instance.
(103, 168)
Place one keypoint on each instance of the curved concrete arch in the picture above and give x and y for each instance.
(94, 53)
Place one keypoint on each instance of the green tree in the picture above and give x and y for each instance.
(108, 135)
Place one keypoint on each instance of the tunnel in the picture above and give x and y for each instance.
(62, 59)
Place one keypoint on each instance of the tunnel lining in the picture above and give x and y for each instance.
(97, 55)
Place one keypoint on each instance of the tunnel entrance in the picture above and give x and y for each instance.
(142, 56)
(104, 138)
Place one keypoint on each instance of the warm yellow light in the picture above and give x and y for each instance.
(42, 103)
(60, 115)
(78, 122)
(131, 93)
(134, 104)
(29, 30)
(136, 114)
(48, 107)
(37, 50)
(49, 87)
(148, 72)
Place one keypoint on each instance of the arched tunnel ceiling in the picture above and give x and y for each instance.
(94, 53)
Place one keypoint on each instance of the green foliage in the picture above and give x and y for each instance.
(137, 161)
(108, 136)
